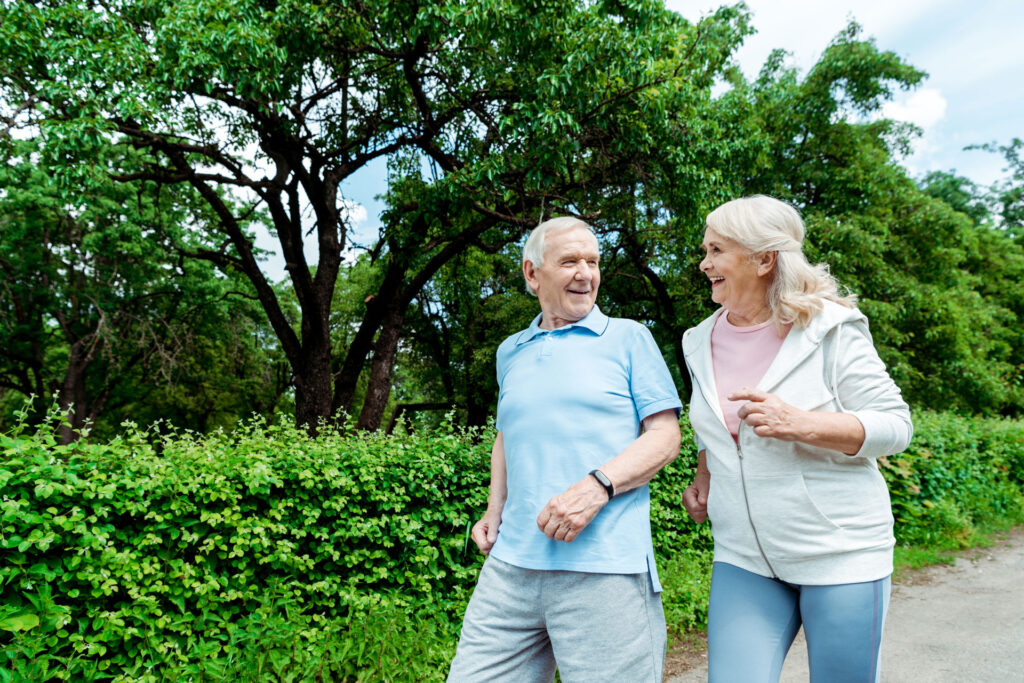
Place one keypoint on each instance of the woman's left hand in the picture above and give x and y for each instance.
(770, 416)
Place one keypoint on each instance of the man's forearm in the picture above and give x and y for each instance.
(647, 455)
(568, 513)
(499, 482)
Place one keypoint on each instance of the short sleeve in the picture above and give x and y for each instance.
(500, 364)
(650, 381)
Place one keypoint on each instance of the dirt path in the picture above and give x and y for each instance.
(961, 623)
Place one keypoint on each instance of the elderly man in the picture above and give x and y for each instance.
(570, 580)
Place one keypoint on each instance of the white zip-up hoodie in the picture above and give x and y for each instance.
(804, 514)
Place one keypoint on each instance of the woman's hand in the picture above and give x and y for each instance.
(770, 416)
(695, 496)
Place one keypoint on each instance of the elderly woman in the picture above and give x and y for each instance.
(791, 407)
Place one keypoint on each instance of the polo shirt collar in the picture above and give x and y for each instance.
(595, 321)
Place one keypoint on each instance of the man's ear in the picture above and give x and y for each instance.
(766, 263)
(530, 274)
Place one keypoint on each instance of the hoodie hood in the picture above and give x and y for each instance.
(828, 318)
(798, 345)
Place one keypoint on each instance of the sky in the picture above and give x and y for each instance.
(972, 50)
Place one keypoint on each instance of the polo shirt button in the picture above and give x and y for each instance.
(545, 348)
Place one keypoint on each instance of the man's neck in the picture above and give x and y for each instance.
(553, 322)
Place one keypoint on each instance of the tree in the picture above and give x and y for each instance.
(1007, 196)
(816, 142)
(995, 258)
(464, 313)
(519, 110)
(96, 310)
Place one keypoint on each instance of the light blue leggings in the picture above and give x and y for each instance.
(752, 621)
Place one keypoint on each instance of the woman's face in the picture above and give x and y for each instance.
(738, 280)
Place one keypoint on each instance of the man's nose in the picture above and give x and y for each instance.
(583, 270)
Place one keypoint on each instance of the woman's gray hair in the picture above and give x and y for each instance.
(762, 224)
(533, 250)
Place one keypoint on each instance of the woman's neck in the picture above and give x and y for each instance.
(749, 315)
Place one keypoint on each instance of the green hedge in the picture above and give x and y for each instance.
(959, 475)
(145, 552)
(267, 554)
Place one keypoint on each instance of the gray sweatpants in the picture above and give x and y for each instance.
(522, 623)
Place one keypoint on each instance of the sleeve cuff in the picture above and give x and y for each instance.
(658, 406)
(884, 433)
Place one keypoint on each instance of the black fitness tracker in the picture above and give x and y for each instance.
(604, 481)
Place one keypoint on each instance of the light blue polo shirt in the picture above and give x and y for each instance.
(570, 400)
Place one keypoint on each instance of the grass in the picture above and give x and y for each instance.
(910, 557)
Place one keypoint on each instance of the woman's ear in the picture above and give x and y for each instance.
(766, 263)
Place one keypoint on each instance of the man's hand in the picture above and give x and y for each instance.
(695, 497)
(485, 531)
(569, 513)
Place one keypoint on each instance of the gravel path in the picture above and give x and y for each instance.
(962, 623)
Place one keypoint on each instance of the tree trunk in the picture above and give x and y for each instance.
(477, 397)
(313, 387)
(376, 311)
(384, 352)
(72, 391)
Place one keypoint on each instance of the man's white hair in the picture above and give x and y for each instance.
(533, 250)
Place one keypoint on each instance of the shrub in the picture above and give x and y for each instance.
(148, 545)
(957, 475)
(672, 529)
(265, 554)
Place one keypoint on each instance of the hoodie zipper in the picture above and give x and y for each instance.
(743, 486)
(746, 503)
(739, 450)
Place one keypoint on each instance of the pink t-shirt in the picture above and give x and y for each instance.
(741, 356)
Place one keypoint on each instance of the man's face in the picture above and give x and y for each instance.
(566, 284)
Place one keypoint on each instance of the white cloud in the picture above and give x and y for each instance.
(353, 213)
(804, 28)
(924, 108)
(971, 51)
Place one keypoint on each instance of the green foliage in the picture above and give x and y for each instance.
(151, 546)
(267, 554)
(959, 474)
(940, 286)
(461, 317)
(1007, 195)
(98, 310)
(489, 115)
(671, 527)
(686, 584)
